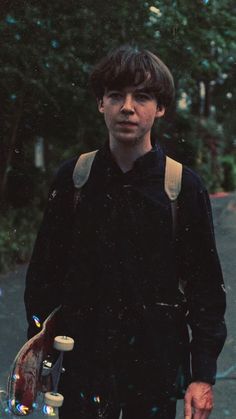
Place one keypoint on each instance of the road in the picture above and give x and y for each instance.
(13, 322)
(224, 212)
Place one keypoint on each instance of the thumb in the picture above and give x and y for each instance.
(188, 406)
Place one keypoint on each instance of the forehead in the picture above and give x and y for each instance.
(128, 77)
(129, 89)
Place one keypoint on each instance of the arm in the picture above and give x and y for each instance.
(205, 294)
(47, 269)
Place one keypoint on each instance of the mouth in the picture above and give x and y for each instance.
(127, 123)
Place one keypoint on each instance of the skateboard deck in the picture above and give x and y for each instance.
(25, 378)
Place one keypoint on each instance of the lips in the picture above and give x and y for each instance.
(127, 123)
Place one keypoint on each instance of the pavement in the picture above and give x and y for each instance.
(13, 322)
(224, 214)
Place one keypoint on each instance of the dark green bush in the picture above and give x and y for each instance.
(17, 234)
(229, 173)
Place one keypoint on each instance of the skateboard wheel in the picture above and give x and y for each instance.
(63, 343)
(53, 399)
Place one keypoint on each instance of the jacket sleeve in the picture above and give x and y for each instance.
(47, 268)
(205, 293)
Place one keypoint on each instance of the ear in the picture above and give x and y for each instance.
(160, 111)
(100, 105)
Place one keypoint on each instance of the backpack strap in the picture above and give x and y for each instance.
(173, 180)
(81, 173)
(82, 169)
(173, 174)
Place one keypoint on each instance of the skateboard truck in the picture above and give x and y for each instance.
(62, 344)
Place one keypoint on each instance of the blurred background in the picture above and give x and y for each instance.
(48, 114)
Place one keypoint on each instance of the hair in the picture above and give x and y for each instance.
(129, 66)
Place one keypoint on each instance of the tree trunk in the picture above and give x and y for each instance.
(196, 100)
(206, 112)
(11, 147)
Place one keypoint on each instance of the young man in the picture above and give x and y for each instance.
(110, 258)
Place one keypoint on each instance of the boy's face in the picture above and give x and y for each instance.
(129, 114)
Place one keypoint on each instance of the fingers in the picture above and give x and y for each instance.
(201, 414)
(202, 407)
(188, 406)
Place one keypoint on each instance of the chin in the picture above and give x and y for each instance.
(129, 141)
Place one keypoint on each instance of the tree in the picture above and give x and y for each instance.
(49, 48)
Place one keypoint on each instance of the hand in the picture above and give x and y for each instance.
(198, 401)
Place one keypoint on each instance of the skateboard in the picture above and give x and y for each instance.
(34, 370)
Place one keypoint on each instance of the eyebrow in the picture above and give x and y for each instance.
(135, 90)
(142, 90)
(145, 91)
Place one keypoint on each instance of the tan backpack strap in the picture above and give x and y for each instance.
(82, 169)
(173, 178)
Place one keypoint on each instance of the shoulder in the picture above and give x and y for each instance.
(63, 176)
(62, 183)
(64, 172)
(192, 182)
(194, 196)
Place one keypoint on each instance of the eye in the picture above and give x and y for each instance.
(142, 97)
(115, 95)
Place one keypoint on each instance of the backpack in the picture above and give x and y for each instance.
(172, 184)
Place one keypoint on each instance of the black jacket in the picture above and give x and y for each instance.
(113, 264)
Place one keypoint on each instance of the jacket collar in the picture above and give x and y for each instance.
(151, 162)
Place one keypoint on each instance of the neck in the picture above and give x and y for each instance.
(126, 154)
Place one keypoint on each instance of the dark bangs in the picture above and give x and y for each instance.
(127, 66)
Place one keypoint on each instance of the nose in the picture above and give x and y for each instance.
(128, 105)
